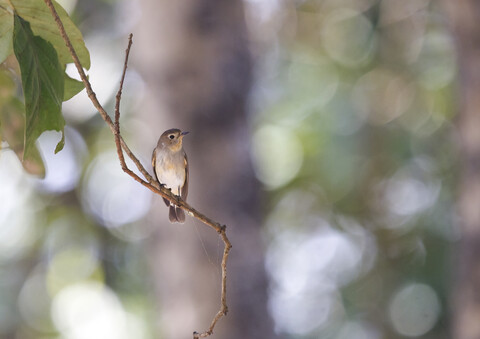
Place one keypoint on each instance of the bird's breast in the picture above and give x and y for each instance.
(170, 170)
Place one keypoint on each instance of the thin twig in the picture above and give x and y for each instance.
(223, 304)
(91, 94)
(117, 106)
(151, 183)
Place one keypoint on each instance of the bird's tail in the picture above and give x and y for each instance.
(176, 214)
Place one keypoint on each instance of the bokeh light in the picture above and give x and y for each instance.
(64, 168)
(107, 190)
(90, 310)
(356, 83)
(382, 96)
(348, 37)
(277, 155)
(414, 310)
(34, 303)
(69, 266)
(358, 330)
(17, 232)
(104, 75)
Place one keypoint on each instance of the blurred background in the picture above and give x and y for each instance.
(321, 133)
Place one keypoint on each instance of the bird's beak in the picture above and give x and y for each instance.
(184, 133)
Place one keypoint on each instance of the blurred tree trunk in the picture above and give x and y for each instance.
(195, 60)
(464, 17)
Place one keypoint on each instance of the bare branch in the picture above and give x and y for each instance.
(223, 303)
(117, 108)
(151, 183)
(91, 94)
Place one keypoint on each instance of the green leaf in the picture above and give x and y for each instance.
(72, 87)
(42, 82)
(12, 130)
(6, 32)
(7, 89)
(7, 85)
(60, 144)
(42, 24)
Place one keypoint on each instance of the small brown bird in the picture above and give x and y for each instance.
(170, 166)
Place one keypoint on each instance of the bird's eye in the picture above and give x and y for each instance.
(171, 136)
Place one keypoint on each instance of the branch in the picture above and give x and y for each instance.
(151, 183)
(91, 94)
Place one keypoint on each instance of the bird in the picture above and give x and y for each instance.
(170, 165)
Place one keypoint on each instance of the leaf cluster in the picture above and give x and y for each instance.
(34, 54)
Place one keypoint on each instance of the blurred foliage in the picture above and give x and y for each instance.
(352, 138)
(68, 267)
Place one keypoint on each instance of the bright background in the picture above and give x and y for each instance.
(353, 146)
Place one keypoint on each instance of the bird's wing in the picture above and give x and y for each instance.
(185, 185)
(154, 160)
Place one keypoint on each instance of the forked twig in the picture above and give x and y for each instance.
(150, 183)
